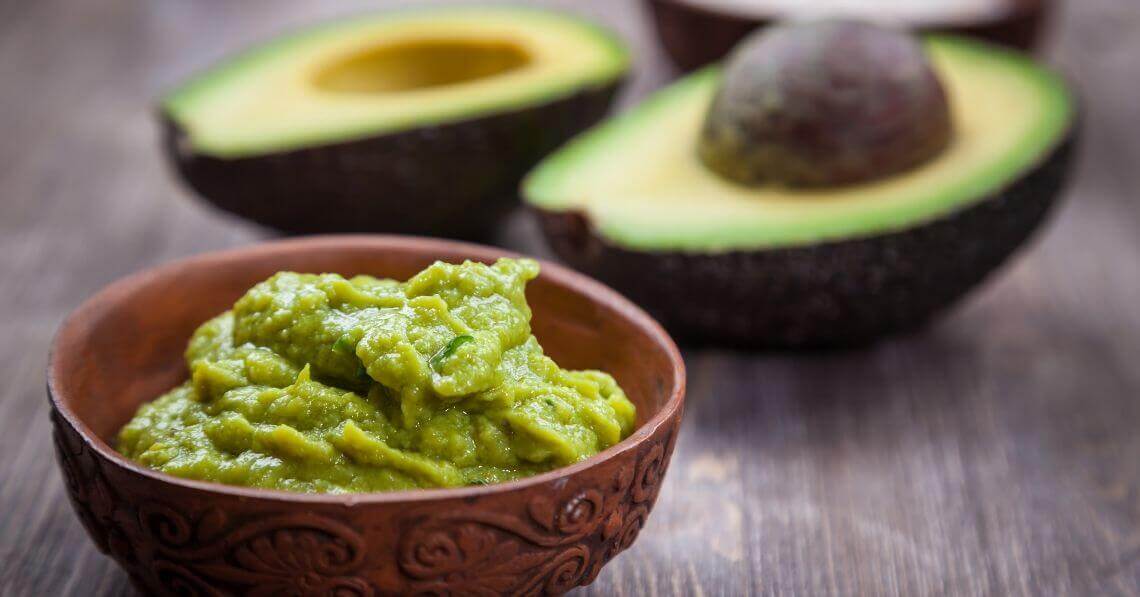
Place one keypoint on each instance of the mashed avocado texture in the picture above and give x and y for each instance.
(315, 382)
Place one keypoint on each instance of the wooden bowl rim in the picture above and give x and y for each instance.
(1012, 9)
(595, 291)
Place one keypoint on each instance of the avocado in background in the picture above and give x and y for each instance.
(774, 265)
(695, 33)
(418, 121)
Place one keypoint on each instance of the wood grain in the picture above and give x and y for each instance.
(997, 453)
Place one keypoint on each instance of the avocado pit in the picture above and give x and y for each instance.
(823, 104)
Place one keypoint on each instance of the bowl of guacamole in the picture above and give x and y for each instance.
(317, 382)
(363, 415)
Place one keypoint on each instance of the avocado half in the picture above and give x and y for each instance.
(697, 32)
(631, 203)
(419, 121)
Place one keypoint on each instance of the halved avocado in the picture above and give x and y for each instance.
(695, 33)
(416, 121)
(631, 203)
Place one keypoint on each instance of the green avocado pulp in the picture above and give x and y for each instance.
(641, 184)
(319, 383)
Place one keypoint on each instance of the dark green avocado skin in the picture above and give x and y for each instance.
(454, 180)
(831, 295)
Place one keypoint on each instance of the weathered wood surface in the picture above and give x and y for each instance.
(997, 453)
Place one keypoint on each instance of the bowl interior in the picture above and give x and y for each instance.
(124, 346)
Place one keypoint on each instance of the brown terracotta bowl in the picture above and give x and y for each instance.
(543, 534)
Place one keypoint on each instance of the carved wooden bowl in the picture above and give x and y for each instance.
(543, 534)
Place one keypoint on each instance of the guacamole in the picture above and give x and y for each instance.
(318, 383)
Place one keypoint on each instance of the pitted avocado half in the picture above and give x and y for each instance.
(419, 121)
(633, 203)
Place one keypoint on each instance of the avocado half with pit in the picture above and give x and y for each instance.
(418, 121)
(697, 32)
(839, 259)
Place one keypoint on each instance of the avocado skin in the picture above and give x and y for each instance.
(456, 179)
(694, 36)
(831, 295)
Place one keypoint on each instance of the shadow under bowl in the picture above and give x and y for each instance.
(543, 534)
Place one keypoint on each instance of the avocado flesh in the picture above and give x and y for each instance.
(640, 184)
(389, 73)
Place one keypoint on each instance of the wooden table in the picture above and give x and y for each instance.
(997, 452)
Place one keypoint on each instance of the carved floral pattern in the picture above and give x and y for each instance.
(87, 488)
(558, 540)
(288, 554)
(558, 546)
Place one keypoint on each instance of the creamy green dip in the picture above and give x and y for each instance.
(321, 383)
